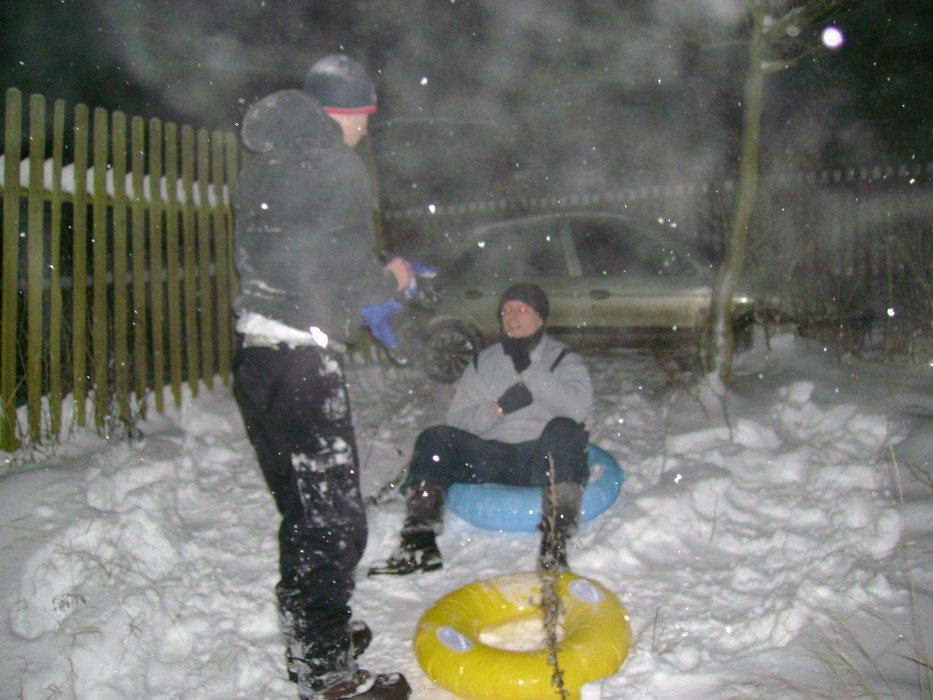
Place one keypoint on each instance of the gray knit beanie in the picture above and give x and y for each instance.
(529, 293)
(341, 85)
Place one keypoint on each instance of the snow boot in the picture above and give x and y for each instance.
(360, 637)
(418, 550)
(362, 685)
(560, 515)
(325, 669)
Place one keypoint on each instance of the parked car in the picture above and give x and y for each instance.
(611, 281)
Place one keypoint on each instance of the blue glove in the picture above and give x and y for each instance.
(420, 269)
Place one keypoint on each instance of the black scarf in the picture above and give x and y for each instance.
(519, 349)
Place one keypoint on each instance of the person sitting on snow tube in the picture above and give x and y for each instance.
(517, 413)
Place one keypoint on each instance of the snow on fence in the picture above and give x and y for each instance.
(115, 283)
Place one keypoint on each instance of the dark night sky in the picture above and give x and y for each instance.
(590, 87)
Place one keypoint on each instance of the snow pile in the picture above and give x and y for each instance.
(147, 570)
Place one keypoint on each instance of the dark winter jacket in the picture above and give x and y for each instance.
(303, 221)
(561, 390)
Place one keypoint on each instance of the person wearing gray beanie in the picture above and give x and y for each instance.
(304, 241)
(341, 86)
(529, 293)
(517, 418)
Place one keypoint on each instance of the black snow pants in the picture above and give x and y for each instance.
(444, 455)
(295, 406)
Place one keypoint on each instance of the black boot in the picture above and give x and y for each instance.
(325, 669)
(360, 637)
(418, 552)
(424, 521)
(363, 684)
(560, 515)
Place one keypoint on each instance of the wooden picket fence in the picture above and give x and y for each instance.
(120, 262)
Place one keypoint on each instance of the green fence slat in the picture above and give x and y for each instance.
(156, 285)
(12, 137)
(172, 286)
(100, 347)
(190, 245)
(221, 258)
(205, 259)
(35, 254)
(139, 266)
(55, 272)
(79, 267)
(231, 144)
(121, 365)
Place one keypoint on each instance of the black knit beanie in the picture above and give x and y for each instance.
(341, 85)
(529, 293)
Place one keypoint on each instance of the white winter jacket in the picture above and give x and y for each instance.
(563, 390)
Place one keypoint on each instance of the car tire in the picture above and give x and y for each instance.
(449, 346)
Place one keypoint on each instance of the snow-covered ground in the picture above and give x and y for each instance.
(788, 556)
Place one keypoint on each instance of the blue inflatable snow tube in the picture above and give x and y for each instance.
(518, 508)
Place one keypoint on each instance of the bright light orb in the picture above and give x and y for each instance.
(833, 37)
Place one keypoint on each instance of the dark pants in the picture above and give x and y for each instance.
(296, 410)
(444, 455)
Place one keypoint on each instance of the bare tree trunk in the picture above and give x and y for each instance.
(717, 350)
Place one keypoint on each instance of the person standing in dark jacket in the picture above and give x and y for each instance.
(304, 251)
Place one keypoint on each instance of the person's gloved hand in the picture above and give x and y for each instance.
(424, 290)
(515, 397)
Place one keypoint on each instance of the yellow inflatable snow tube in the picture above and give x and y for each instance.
(451, 641)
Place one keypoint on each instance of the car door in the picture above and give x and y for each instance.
(636, 283)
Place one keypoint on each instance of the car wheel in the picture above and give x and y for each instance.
(449, 346)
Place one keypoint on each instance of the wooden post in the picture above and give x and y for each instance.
(55, 272)
(156, 292)
(173, 283)
(79, 267)
(100, 347)
(140, 298)
(121, 368)
(35, 253)
(205, 258)
(11, 193)
(221, 260)
(189, 242)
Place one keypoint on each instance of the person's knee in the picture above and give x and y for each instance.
(433, 437)
(565, 433)
(566, 441)
(564, 427)
(428, 461)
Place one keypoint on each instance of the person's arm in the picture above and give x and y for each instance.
(474, 407)
(566, 391)
(399, 267)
